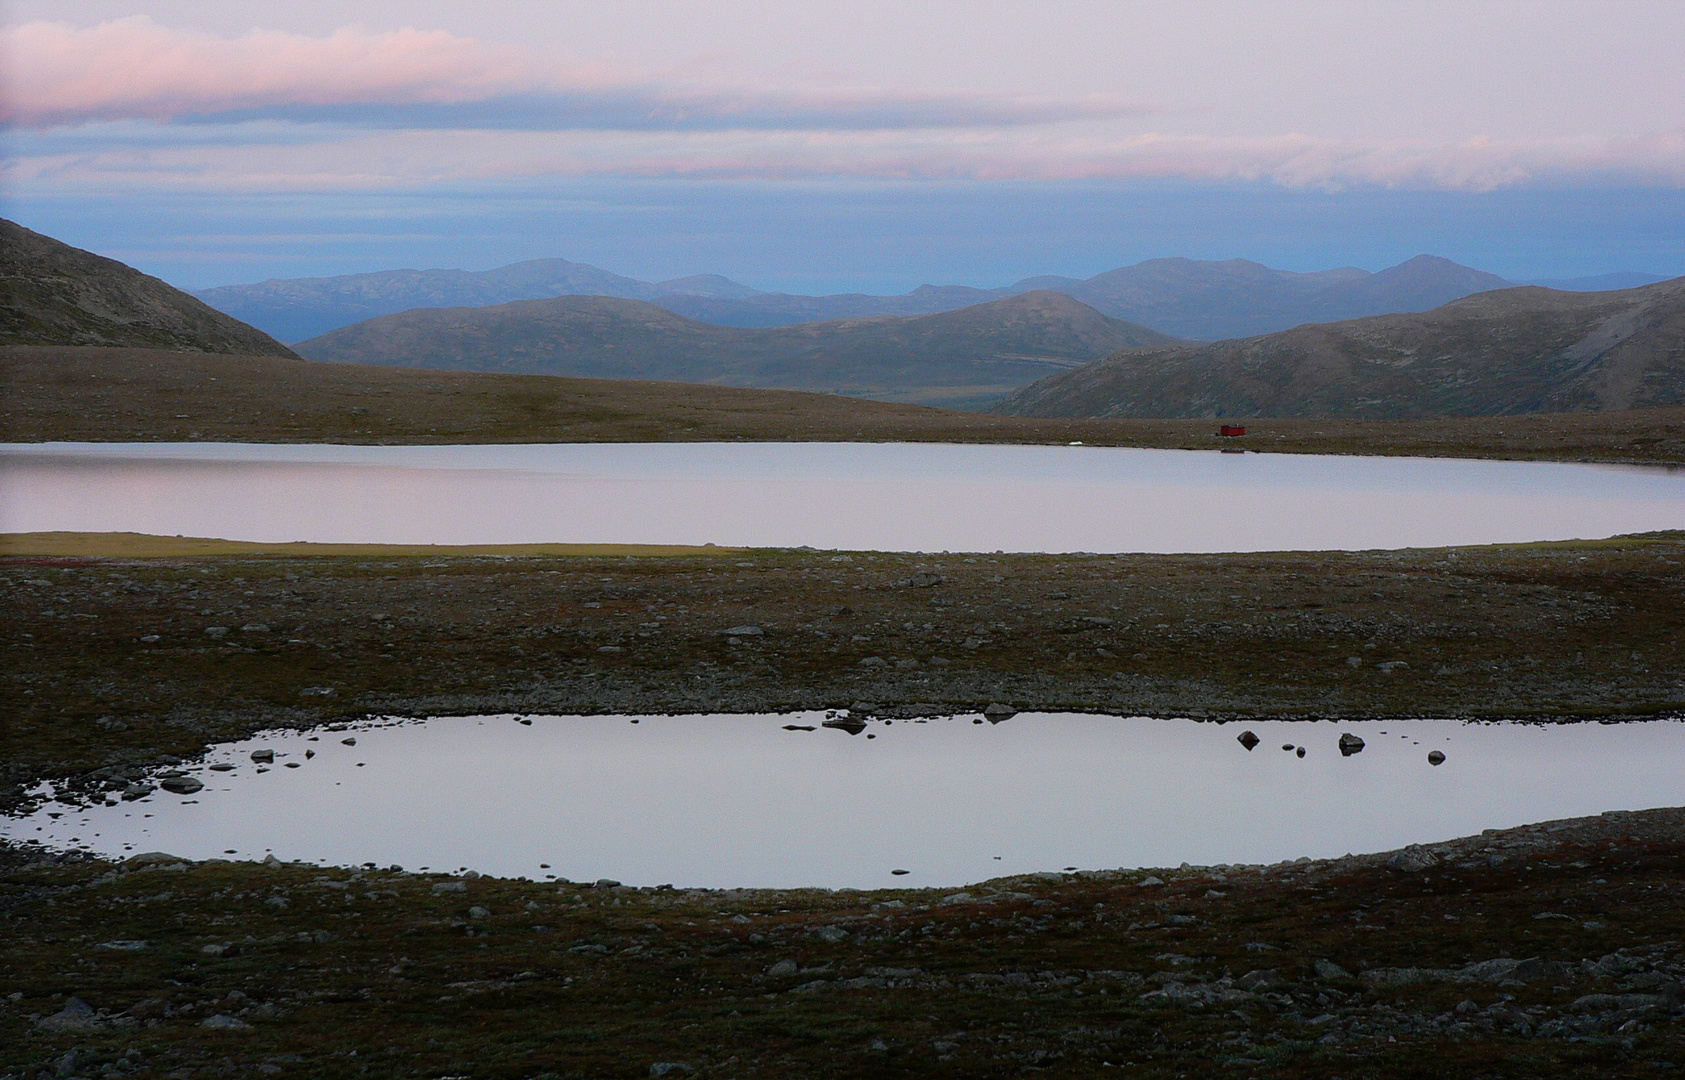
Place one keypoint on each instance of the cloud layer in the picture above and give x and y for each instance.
(57, 74)
(358, 110)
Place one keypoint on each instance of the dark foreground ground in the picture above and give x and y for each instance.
(1548, 951)
(112, 658)
(50, 393)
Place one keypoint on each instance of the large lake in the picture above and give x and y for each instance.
(894, 496)
(730, 801)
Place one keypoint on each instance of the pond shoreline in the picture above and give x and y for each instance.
(1555, 944)
(126, 659)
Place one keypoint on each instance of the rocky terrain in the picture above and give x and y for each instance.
(145, 395)
(1552, 950)
(1500, 353)
(55, 294)
(978, 351)
(118, 658)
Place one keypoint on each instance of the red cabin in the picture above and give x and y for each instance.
(1231, 430)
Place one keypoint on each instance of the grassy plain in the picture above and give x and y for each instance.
(111, 395)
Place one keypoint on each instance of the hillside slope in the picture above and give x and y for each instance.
(1519, 350)
(298, 308)
(956, 356)
(55, 294)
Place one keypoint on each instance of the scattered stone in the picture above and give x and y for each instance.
(1350, 744)
(830, 934)
(1436, 757)
(1248, 740)
(216, 631)
(1328, 969)
(219, 1022)
(122, 945)
(181, 785)
(450, 887)
(995, 712)
(874, 662)
(348, 742)
(1300, 751)
(318, 691)
(263, 756)
(924, 579)
(254, 628)
(222, 766)
(152, 858)
(478, 912)
(607, 883)
(1412, 860)
(1389, 667)
(137, 790)
(782, 969)
(77, 1015)
(1150, 880)
(900, 873)
(663, 1068)
(745, 630)
(957, 898)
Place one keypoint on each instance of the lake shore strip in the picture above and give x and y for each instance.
(1549, 950)
(89, 394)
(125, 647)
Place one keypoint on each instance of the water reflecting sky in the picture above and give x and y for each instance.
(885, 496)
(738, 801)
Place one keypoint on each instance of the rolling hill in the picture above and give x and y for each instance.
(1180, 297)
(1521, 350)
(55, 294)
(294, 309)
(958, 357)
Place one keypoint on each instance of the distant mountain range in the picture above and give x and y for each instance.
(962, 358)
(55, 294)
(1518, 350)
(1181, 297)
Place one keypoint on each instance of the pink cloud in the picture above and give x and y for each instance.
(134, 68)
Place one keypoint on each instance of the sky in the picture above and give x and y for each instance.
(846, 146)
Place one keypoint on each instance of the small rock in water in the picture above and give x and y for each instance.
(995, 712)
(1435, 757)
(1287, 746)
(137, 791)
(263, 755)
(222, 766)
(348, 742)
(900, 873)
(1300, 751)
(1248, 740)
(1350, 744)
(181, 785)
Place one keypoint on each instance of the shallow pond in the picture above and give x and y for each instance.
(882, 496)
(742, 801)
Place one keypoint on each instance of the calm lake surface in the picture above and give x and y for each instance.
(738, 801)
(883, 496)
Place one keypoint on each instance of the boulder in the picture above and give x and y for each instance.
(995, 712)
(1350, 744)
(1412, 860)
(1436, 757)
(1328, 969)
(1248, 740)
(262, 756)
(181, 785)
(77, 1015)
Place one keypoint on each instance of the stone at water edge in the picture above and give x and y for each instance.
(181, 785)
(995, 712)
(262, 756)
(1435, 757)
(1248, 740)
(1350, 744)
